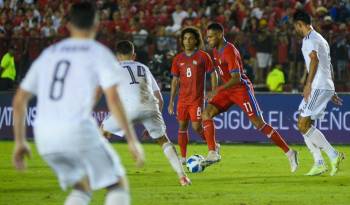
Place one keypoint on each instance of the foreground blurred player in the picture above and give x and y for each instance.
(189, 69)
(318, 91)
(143, 102)
(65, 78)
(236, 90)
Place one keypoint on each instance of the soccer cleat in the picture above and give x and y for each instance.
(185, 181)
(183, 160)
(293, 161)
(212, 158)
(336, 162)
(317, 170)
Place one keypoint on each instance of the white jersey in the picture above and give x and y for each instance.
(64, 78)
(136, 88)
(323, 77)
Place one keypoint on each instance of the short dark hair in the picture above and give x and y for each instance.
(215, 27)
(302, 16)
(82, 15)
(197, 35)
(124, 47)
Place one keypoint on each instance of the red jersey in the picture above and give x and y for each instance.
(191, 70)
(228, 60)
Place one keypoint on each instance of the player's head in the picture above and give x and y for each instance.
(191, 38)
(302, 22)
(125, 50)
(215, 34)
(83, 20)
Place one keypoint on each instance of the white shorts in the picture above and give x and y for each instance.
(264, 60)
(100, 164)
(151, 120)
(316, 104)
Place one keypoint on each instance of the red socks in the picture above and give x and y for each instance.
(209, 133)
(275, 137)
(182, 140)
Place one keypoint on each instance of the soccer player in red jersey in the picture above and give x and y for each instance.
(235, 90)
(189, 69)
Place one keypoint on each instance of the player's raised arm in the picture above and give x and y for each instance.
(22, 148)
(116, 108)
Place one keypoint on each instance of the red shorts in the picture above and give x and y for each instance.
(191, 112)
(242, 96)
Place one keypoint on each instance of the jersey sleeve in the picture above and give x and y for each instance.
(209, 66)
(31, 80)
(107, 69)
(175, 70)
(310, 45)
(232, 61)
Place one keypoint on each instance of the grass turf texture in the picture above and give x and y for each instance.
(247, 174)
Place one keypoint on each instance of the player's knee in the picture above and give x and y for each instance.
(197, 128)
(162, 140)
(206, 115)
(121, 184)
(83, 185)
(303, 126)
(258, 123)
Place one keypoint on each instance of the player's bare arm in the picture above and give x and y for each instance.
(313, 69)
(214, 80)
(22, 148)
(117, 109)
(173, 91)
(235, 79)
(159, 96)
(335, 98)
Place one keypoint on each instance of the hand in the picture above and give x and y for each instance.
(337, 100)
(137, 152)
(171, 108)
(307, 91)
(211, 94)
(20, 151)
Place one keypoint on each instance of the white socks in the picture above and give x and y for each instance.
(77, 197)
(318, 139)
(170, 153)
(315, 151)
(117, 196)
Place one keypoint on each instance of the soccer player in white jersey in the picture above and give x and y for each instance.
(318, 91)
(65, 78)
(143, 102)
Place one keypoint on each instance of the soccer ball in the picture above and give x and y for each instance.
(193, 163)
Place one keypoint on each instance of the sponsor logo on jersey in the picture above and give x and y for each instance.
(181, 64)
(194, 62)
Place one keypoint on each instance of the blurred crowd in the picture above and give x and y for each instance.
(261, 29)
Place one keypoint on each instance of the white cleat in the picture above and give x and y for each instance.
(212, 158)
(217, 148)
(293, 160)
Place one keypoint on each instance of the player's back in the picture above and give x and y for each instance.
(64, 78)
(137, 86)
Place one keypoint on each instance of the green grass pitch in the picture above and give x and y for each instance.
(247, 175)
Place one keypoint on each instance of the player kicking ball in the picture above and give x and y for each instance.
(65, 78)
(189, 69)
(318, 91)
(143, 103)
(236, 90)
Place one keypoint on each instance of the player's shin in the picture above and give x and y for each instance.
(170, 153)
(275, 137)
(209, 133)
(183, 141)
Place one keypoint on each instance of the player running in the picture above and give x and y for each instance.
(318, 91)
(143, 103)
(236, 90)
(65, 78)
(189, 69)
